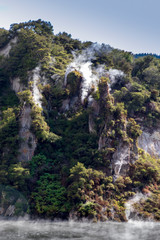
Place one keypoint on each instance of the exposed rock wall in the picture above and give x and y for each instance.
(95, 112)
(17, 86)
(34, 76)
(27, 138)
(103, 140)
(121, 159)
(6, 50)
(65, 105)
(150, 142)
(124, 155)
(12, 202)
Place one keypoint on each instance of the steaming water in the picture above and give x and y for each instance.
(43, 230)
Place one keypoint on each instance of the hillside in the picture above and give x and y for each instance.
(79, 128)
(146, 54)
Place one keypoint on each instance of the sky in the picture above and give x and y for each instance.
(131, 25)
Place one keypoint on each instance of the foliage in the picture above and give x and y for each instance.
(73, 83)
(87, 209)
(39, 27)
(11, 197)
(87, 189)
(146, 170)
(67, 42)
(25, 56)
(149, 208)
(49, 198)
(133, 129)
(71, 170)
(40, 127)
(4, 37)
(18, 175)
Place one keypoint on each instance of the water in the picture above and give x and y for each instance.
(44, 230)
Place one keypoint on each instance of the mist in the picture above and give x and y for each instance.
(47, 230)
(91, 75)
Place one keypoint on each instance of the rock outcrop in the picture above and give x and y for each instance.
(12, 202)
(27, 138)
(95, 112)
(149, 141)
(16, 84)
(6, 50)
(124, 155)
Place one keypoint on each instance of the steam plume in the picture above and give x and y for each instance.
(83, 64)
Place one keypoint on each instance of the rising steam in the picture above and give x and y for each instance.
(83, 64)
(36, 93)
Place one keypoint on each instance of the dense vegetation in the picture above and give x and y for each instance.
(68, 175)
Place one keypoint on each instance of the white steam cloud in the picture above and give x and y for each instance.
(129, 205)
(83, 64)
(37, 96)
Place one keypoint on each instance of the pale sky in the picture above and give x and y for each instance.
(131, 25)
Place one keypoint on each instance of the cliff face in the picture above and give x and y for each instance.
(124, 156)
(149, 141)
(27, 138)
(124, 153)
(6, 50)
(69, 133)
(16, 85)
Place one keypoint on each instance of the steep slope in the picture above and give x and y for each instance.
(79, 127)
